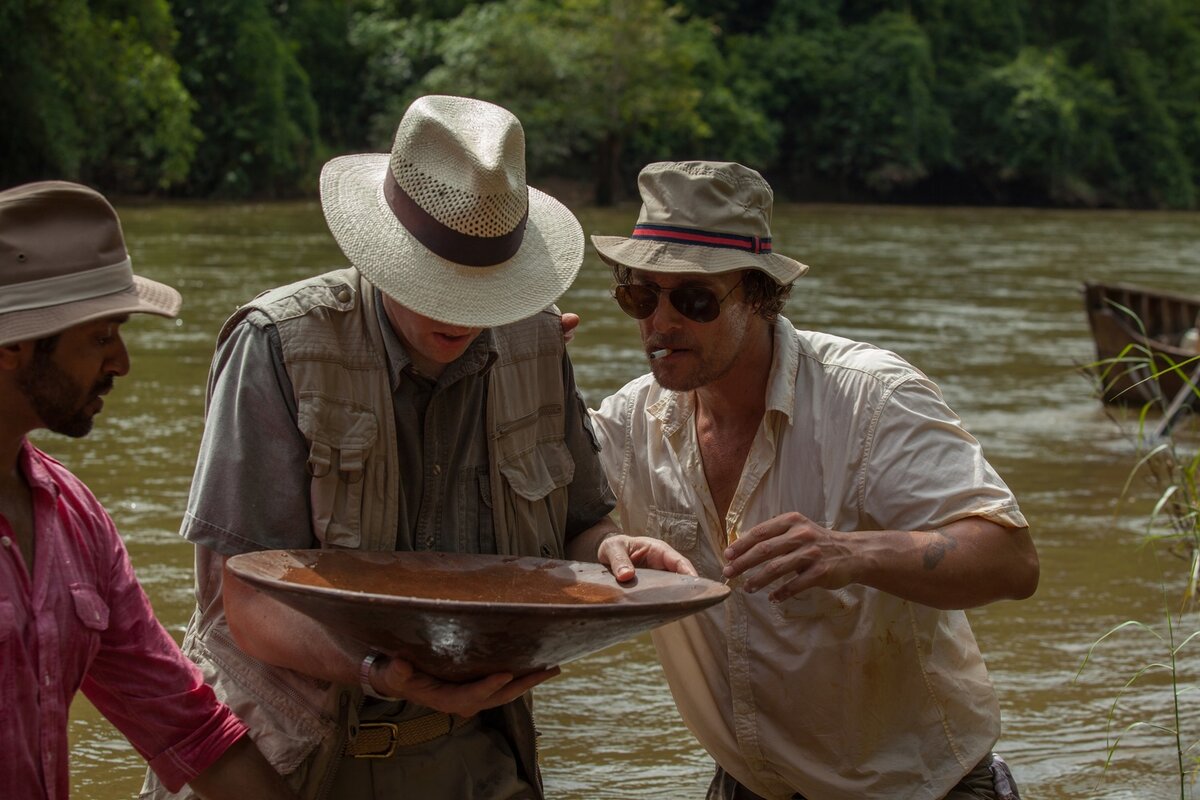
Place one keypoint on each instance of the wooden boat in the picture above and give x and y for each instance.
(1135, 326)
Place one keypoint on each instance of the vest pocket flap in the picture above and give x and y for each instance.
(89, 607)
(337, 423)
(537, 472)
(339, 426)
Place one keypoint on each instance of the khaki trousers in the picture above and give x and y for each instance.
(471, 762)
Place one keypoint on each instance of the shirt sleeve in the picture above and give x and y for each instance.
(923, 468)
(250, 490)
(141, 682)
(589, 498)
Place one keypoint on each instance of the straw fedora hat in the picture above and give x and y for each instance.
(446, 225)
(701, 216)
(63, 262)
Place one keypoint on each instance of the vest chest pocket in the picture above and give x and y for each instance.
(537, 467)
(677, 530)
(341, 435)
(532, 453)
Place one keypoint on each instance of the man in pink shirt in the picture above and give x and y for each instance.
(72, 614)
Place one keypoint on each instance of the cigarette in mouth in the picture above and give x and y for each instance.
(659, 353)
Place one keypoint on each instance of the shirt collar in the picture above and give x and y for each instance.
(674, 409)
(785, 365)
(476, 359)
(32, 464)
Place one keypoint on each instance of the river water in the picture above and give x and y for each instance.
(984, 301)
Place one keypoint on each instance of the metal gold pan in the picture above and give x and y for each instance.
(460, 616)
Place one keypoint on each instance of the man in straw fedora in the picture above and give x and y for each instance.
(72, 613)
(828, 481)
(420, 399)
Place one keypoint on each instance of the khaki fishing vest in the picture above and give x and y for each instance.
(334, 354)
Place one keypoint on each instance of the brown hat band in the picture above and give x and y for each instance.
(470, 251)
(69, 288)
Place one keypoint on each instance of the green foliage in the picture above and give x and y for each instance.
(1039, 122)
(92, 94)
(587, 78)
(856, 104)
(1087, 103)
(256, 112)
(1172, 470)
(882, 123)
(319, 33)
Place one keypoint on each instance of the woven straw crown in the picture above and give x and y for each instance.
(446, 225)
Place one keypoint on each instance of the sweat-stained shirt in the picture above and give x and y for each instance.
(839, 695)
(82, 621)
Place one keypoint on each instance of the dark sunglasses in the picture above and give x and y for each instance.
(697, 303)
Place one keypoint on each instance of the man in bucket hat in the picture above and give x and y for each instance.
(418, 400)
(72, 614)
(829, 483)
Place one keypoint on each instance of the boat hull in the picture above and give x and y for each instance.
(1125, 349)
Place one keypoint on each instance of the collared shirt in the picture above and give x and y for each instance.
(82, 621)
(852, 693)
(251, 486)
(444, 483)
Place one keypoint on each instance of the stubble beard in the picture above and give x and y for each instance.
(58, 400)
(704, 373)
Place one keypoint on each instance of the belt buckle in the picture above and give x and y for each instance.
(393, 734)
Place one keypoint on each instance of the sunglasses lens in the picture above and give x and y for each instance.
(696, 303)
(637, 301)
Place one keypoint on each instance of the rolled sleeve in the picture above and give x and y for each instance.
(149, 690)
(251, 488)
(924, 469)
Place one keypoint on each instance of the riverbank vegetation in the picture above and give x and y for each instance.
(1169, 465)
(1091, 103)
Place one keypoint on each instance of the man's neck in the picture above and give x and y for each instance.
(740, 394)
(16, 502)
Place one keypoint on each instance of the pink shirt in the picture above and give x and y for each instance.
(82, 621)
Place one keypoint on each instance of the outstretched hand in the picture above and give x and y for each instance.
(398, 678)
(621, 553)
(791, 544)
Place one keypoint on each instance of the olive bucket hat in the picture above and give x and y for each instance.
(63, 261)
(701, 216)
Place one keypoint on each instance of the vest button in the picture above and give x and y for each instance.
(343, 295)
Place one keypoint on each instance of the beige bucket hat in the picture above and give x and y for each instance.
(446, 224)
(63, 261)
(701, 216)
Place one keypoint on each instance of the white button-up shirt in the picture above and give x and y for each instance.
(852, 693)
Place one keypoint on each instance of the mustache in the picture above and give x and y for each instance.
(103, 386)
(660, 342)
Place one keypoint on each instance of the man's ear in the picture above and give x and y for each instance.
(14, 354)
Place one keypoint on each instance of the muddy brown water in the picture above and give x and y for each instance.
(985, 301)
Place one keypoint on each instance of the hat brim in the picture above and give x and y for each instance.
(144, 297)
(383, 250)
(674, 257)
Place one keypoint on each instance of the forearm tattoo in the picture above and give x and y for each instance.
(937, 548)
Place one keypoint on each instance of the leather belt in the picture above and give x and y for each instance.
(380, 739)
